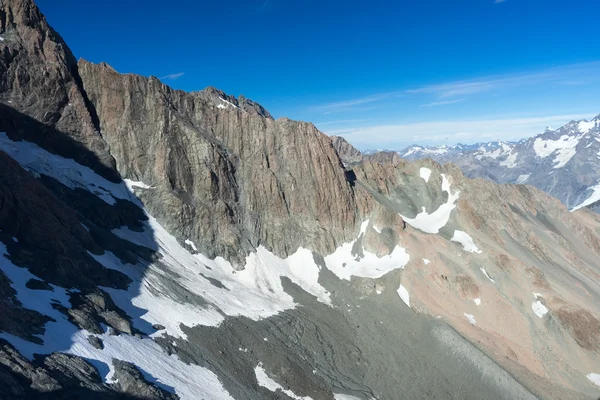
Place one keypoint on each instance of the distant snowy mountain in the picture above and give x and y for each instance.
(564, 162)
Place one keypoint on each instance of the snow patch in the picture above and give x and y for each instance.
(477, 301)
(426, 261)
(136, 184)
(563, 148)
(227, 103)
(403, 293)
(188, 380)
(511, 160)
(345, 264)
(539, 309)
(378, 230)
(340, 396)
(425, 173)
(585, 127)
(432, 223)
(594, 197)
(266, 382)
(523, 178)
(471, 318)
(594, 378)
(207, 289)
(486, 274)
(466, 240)
(68, 172)
(191, 244)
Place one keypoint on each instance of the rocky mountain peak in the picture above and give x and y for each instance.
(346, 151)
(223, 100)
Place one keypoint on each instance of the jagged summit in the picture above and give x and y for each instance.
(563, 162)
(222, 100)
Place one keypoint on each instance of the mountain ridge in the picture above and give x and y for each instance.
(185, 247)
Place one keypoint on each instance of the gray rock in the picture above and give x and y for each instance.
(24, 375)
(73, 372)
(130, 380)
(96, 342)
(228, 179)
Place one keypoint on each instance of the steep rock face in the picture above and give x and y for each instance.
(348, 153)
(41, 88)
(227, 179)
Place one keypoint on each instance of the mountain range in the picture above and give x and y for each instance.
(159, 244)
(563, 162)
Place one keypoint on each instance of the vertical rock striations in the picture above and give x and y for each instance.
(227, 176)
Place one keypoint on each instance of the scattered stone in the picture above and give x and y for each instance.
(96, 342)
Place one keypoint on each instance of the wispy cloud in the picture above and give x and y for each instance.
(442, 103)
(265, 4)
(499, 1)
(341, 121)
(173, 76)
(352, 103)
(452, 131)
(486, 84)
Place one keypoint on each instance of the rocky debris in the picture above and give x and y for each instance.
(348, 153)
(158, 327)
(96, 342)
(467, 286)
(581, 325)
(222, 100)
(93, 308)
(226, 179)
(130, 380)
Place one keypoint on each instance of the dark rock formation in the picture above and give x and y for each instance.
(39, 78)
(130, 380)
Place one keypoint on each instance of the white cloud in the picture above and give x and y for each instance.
(452, 131)
(348, 104)
(442, 103)
(486, 84)
(341, 121)
(499, 1)
(173, 76)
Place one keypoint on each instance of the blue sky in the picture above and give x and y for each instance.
(383, 74)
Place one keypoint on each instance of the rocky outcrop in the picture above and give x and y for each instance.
(228, 179)
(39, 80)
(128, 379)
(348, 153)
(222, 100)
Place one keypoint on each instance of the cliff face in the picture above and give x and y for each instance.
(228, 177)
(39, 79)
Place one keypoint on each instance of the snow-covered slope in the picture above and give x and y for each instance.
(564, 162)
